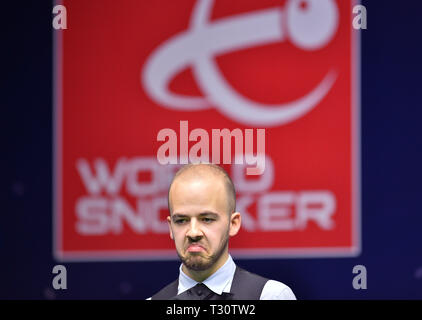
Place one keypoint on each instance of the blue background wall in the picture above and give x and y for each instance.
(391, 174)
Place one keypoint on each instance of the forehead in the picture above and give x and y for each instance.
(193, 195)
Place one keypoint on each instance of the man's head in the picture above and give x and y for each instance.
(202, 216)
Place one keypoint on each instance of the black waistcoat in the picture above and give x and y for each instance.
(245, 286)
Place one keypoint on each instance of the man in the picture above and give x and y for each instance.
(202, 204)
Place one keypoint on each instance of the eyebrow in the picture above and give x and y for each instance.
(202, 214)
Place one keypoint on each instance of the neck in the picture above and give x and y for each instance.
(200, 276)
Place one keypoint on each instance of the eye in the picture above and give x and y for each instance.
(208, 220)
(180, 221)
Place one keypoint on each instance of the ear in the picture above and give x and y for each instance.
(169, 224)
(235, 222)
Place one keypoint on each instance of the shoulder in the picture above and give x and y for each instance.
(167, 292)
(276, 290)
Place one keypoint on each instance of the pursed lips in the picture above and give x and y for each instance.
(195, 247)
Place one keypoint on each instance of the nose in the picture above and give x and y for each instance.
(194, 232)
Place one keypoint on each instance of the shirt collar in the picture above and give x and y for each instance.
(219, 282)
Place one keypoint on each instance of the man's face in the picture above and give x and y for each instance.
(199, 224)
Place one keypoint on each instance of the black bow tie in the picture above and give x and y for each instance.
(202, 292)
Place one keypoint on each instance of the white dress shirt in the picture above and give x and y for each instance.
(221, 281)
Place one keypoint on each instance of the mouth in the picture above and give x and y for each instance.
(195, 248)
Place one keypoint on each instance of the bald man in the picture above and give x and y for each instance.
(202, 205)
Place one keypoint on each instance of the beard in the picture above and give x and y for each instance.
(198, 262)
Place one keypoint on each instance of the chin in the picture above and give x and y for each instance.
(197, 266)
(196, 262)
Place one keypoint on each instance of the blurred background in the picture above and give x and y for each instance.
(390, 157)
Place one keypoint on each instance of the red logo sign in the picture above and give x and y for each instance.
(131, 76)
